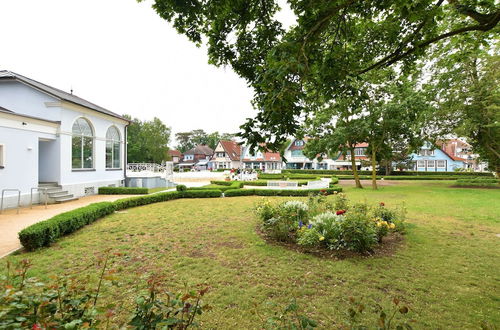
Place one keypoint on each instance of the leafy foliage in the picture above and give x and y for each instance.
(122, 191)
(147, 141)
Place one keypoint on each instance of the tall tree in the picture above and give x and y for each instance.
(184, 141)
(333, 43)
(147, 141)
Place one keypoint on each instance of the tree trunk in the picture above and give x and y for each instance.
(374, 169)
(354, 169)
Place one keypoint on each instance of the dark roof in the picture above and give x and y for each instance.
(200, 150)
(232, 148)
(57, 93)
(3, 110)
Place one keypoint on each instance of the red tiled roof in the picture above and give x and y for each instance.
(174, 153)
(232, 148)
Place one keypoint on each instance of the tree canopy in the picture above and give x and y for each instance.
(147, 141)
(332, 45)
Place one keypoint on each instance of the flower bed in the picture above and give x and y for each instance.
(332, 225)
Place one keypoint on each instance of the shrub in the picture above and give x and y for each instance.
(271, 176)
(221, 183)
(46, 232)
(357, 233)
(239, 192)
(126, 203)
(340, 202)
(122, 191)
(478, 182)
(325, 227)
(397, 173)
(180, 187)
(334, 180)
(200, 193)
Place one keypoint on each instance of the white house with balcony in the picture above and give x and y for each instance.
(56, 141)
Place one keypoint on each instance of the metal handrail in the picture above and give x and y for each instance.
(39, 196)
(18, 199)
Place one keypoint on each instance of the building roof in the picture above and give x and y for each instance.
(10, 112)
(174, 153)
(200, 150)
(57, 93)
(232, 148)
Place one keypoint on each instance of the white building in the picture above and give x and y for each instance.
(56, 140)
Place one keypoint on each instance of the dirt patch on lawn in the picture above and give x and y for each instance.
(390, 244)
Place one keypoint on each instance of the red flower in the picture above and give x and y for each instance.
(36, 327)
(382, 204)
(340, 212)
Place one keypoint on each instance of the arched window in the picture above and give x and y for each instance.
(113, 159)
(82, 145)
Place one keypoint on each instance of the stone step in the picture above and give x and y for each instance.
(58, 193)
(65, 198)
(47, 184)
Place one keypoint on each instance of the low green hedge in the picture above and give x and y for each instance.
(394, 173)
(271, 176)
(280, 192)
(222, 183)
(46, 232)
(234, 185)
(478, 182)
(122, 191)
(408, 177)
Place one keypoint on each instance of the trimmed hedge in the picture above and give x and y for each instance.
(396, 173)
(46, 232)
(478, 183)
(279, 192)
(122, 191)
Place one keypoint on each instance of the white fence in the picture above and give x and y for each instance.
(150, 169)
(319, 184)
(283, 184)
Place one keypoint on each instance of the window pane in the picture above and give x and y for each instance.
(109, 154)
(88, 150)
(116, 155)
(430, 163)
(76, 159)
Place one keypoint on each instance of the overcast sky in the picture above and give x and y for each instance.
(121, 55)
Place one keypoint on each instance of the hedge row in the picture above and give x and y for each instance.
(233, 185)
(396, 173)
(478, 182)
(48, 231)
(122, 191)
(279, 192)
(45, 232)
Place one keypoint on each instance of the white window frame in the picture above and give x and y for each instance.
(441, 161)
(430, 152)
(188, 157)
(2, 155)
(420, 162)
(429, 162)
(359, 151)
(119, 141)
(299, 143)
(93, 137)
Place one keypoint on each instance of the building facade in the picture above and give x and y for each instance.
(48, 136)
(432, 159)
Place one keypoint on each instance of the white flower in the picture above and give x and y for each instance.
(296, 205)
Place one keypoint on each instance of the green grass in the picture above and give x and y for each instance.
(446, 271)
(153, 190)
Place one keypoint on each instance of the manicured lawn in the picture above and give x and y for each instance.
(447, 272)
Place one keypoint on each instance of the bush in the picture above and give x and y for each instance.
(46, 232)
(222, 183)
(395, 173)
(122, 191)
(180, 187)
(320, 223)
(271, 176)
(334, 180)
(478, 182)
(233, 185)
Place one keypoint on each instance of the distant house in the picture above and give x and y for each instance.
(360, 156)
(296, 159)
(175, 155)
(56, 140)
(265, 161)
(432, 159)
(197, 158)
(227, 155)
(461, 149)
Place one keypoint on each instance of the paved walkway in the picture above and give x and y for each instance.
(11, 223)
